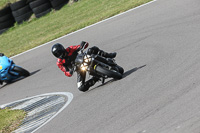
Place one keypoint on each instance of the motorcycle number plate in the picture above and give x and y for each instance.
(0, 67)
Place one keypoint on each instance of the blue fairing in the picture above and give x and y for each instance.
(6, 66)
(5, 62)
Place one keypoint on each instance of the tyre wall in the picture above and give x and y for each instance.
(22, 10)
(58, 4)
(40, 7)
(6, 19)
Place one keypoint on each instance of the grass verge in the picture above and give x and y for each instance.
(4, 3)
(56, 24)
(10, 119)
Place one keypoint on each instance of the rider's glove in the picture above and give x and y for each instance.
(71, 71)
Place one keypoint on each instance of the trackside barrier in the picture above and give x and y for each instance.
(6, 19)
(22, 10)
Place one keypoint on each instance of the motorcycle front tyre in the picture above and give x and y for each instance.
(110, 73)
(21, 71)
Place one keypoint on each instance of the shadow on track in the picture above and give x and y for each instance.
(127, 73)
(32, 73)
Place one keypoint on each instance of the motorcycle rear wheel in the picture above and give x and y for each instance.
(21, 71)
(110, 73)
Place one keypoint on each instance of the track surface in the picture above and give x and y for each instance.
(158, 46)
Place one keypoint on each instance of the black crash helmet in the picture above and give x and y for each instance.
(58, 50)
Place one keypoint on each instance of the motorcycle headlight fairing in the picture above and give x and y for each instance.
(84, 67)
(87, 58)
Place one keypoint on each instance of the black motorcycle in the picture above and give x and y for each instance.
(98, 66)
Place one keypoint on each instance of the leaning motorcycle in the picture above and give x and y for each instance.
(9, 71)
(98, 66)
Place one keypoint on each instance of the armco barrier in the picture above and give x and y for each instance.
(22, 10)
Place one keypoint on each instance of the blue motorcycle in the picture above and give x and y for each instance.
(9, 71)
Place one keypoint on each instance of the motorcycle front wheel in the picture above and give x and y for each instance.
(21, 71)
(110, 73)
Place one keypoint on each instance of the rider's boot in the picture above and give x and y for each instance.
(107, 55)
(88, 84)
(96, 50)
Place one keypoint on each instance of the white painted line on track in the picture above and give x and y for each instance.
(40, 109)
(86, 27)
(45, 106)
(29, 103)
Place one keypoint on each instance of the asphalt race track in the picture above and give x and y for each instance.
(159, 47)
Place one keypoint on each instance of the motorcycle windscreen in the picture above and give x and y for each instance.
(5, 63)
(79, 59)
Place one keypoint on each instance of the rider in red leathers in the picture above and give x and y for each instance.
(66, 58)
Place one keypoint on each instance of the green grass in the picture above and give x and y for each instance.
(10, 119)
(3, 3)
(58, 23)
